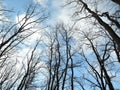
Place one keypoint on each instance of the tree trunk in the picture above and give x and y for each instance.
(116, 1)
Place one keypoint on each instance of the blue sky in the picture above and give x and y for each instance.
(52, 6)
(17, 4)
(21, 5)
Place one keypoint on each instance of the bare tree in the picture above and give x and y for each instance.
(61, 64)
(90, 60)
(100, 61)
(95, 14)
(30, 70)
(12, 36)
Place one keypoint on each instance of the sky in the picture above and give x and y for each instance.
(57, 13)
(51, 6)
(54, 7)
(17, 5)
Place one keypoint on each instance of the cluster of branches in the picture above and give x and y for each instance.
(99, 51)
(61, 57)
(69, 63)
(19, 72)
(103, 39)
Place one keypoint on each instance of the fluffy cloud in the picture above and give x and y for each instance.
(30, 27)
(60, 13)
(41, 2)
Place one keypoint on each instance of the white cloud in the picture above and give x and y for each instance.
(57, 3)
(64, 16)
(30, 28)
(41, 2)
(60, 13)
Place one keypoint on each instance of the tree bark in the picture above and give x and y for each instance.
(116, 1)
